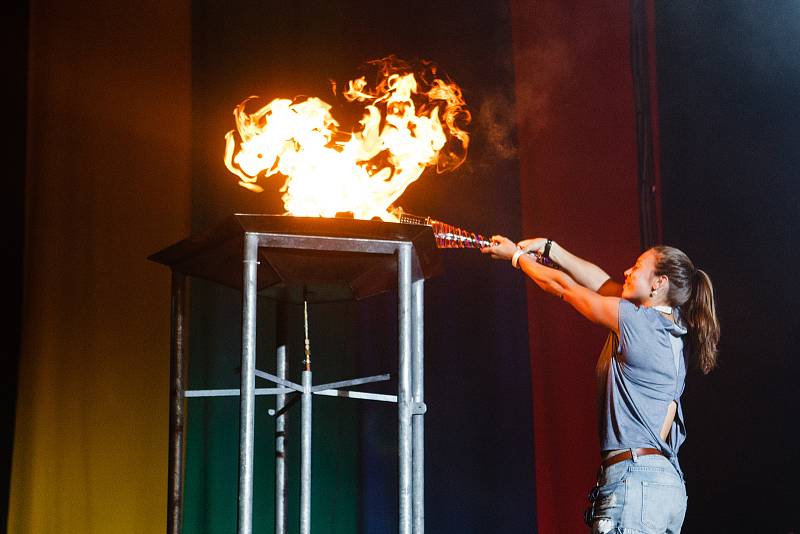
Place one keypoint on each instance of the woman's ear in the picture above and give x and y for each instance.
(663, 280)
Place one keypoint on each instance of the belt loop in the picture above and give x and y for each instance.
(634, 456)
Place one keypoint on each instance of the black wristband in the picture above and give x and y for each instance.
(546, 253)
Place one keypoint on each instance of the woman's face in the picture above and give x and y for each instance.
(640, 278)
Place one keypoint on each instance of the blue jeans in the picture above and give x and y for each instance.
(645, 495)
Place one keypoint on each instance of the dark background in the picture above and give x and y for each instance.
(14, 43)
(728, 102)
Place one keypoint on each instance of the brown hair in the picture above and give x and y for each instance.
(690, 290)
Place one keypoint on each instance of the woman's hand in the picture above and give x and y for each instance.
(502, 248)
(533, 245)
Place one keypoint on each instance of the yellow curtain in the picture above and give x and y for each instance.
(108, 184)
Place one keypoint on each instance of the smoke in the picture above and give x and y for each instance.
(541, 69)
(496, 120)
(545, 66)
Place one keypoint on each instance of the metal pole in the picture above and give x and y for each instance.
(404, 383)
(247, 398)
(305, 452)
(305, 430)
(418, 419)
(282, 336)
(177, 414)
(280, 428)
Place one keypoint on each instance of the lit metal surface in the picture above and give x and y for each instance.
(299, 251)
(247, 399)
(418, 392)
(305, 454)
(279, 253)
(278, 380)
(354, 382)
(357, 395)
(280, 442)
(194, 393)
(177, 415)
(404, 399)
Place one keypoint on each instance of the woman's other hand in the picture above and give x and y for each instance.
(533, 245)
(502, 248)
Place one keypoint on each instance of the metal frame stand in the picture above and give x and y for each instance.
(410, 400)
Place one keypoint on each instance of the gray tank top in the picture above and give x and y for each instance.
(638, 375)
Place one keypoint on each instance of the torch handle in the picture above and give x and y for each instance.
(449, 236)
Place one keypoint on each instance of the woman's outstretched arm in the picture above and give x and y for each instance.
(595, 307)
(583, 272)
(599, 309)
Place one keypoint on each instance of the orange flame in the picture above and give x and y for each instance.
(411, 120)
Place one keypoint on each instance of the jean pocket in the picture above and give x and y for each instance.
(660, 504)
(614, 475)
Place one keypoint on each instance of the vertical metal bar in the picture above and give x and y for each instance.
(177, 415)
(418, 390)
(280, 438)
(281, 475)
(247, 396)
(305, 455)
(404, 382)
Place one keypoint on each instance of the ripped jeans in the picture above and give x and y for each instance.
(641, 496)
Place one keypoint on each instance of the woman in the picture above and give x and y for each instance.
(641, 371)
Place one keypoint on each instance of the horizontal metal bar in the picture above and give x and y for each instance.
(279, 380)
(357, 395)
(233, 392)
(293, 398)
(344, 244)
(353, 382)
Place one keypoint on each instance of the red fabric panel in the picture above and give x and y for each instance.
(577, 150)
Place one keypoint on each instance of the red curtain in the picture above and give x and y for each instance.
(578, 168)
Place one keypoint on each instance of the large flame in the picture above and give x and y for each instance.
(412, 119)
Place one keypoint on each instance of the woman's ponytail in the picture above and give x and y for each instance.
(691, 291)
(701, 319)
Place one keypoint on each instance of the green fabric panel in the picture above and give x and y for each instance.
(213, 423)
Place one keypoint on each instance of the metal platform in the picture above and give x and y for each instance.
(313, 259)
(334, 258)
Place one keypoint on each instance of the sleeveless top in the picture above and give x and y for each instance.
(638, 374)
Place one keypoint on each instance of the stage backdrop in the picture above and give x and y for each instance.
(729, 74)
(108, 183)
(479, 446)
(578, 162)
(113, 106)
